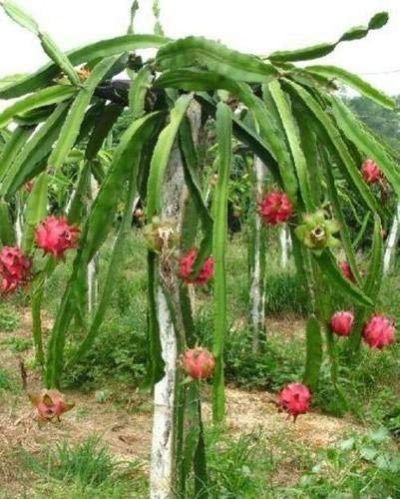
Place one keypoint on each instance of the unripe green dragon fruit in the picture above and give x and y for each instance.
(161, 235)
(317, 231)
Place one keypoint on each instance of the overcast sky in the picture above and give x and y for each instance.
(258, 26)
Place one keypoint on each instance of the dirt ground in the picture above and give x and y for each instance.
(126, 427)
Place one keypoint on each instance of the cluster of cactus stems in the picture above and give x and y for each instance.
(292, 123)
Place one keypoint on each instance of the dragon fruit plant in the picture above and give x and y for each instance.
(300, 129)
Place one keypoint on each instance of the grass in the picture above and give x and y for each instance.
(18, 344)
(9, 318)
(238, 465)
(6, 383)
(254, 466)
(250, 466)
(86, 470)
(87, 463)
(360, 466)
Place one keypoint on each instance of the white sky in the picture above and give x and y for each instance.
(258, 26)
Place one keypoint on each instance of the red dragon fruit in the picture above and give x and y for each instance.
(50, 404)
(371, 171)
(346, 271)
(186, 266)
(295, 399)
(15, 268)
(54, 235)
(198, 363)
(379, 332)
(276, 208)
(342, 323)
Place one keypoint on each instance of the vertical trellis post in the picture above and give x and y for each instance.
(18, 222)
(285, 243)
(391, 243)
(257, 262)
(163, 473)
(92, 269)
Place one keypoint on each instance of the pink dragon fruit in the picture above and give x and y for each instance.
(342, 323)
(379, 332)
(295, 399)
(371, 171)
(346, 271)
(186, 266)
(276, 208)
(50, 404)
(55, 235)
(198, 363)
(15, 268)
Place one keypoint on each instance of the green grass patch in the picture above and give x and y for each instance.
(18, 344)
(9, 318)
(6, 383)
(85, 470)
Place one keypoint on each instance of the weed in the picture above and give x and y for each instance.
(236, 468)
(85, 470)
(5, 380)
(360, 466)
(9, 319)
(18, 344)
(271, 368)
